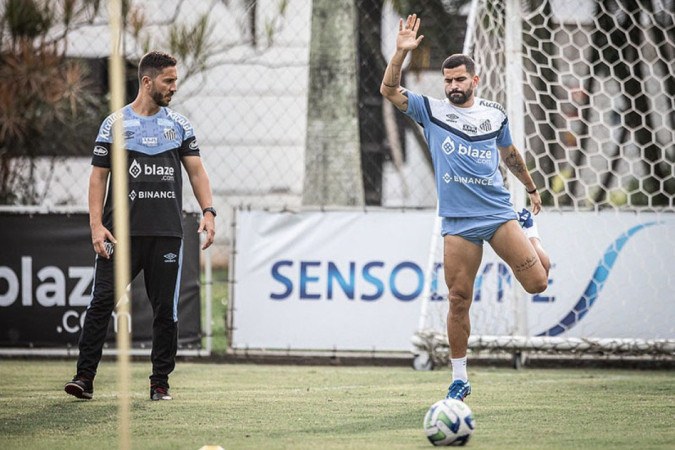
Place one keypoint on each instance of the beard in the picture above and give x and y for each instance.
(161, 99)
(459, 97)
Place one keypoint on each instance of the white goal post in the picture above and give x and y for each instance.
(589, 90)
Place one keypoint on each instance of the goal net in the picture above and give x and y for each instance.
(589, 89)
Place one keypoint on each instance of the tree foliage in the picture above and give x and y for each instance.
(49, 107)
(44, 101)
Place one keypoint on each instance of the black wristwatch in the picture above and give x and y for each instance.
(209, 209)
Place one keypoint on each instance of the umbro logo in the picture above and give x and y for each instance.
(451, 117)
(170, 258)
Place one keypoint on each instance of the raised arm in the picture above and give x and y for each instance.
(406, 40)
(515, 163)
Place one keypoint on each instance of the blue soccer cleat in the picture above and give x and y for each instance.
(525, 219)
(459, 390)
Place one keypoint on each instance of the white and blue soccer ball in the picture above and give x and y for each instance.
(449, 422)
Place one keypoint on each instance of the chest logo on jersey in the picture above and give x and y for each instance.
(485, 126)
(481, 156)
(467, 128)
(170, 134)
(151, 195)
(149, 141)
(448, 146)
(165, 172)
(135, 169)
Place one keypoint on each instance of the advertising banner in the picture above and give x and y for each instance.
(46, 275)
(355, 280)
(344, 280)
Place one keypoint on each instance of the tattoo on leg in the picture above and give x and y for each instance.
(527, 264)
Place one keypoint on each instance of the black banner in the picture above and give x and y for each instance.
(46, 274)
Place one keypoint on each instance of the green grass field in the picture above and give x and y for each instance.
(267, 406)
(219, 294)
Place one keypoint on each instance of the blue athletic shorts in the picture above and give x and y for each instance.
(475, 229)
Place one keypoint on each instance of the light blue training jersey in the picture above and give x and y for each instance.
(463, 145)
(155, 146)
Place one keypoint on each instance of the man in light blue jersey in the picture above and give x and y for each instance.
(158, 141)
(466, 137)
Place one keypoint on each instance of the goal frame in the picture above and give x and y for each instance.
(430, 345)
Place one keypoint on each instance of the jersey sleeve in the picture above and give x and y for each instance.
(189, 147)
(103, 145)
(504, 136)
(416, 108)
(101, 155)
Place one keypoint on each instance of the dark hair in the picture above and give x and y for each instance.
(459, 59)
(153, 63)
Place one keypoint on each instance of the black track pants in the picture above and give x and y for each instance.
(160, 258)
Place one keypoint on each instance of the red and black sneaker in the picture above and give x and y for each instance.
(159, 392)
(80, 387)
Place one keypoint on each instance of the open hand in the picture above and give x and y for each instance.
(407, 35)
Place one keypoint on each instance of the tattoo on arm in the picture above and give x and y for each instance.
(392, 76)
(514, 162)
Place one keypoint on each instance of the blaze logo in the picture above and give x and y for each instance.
(482, 156)
(448, 146)
(166, 172)
(135, 169)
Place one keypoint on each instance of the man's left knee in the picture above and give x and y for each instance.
(536, 285)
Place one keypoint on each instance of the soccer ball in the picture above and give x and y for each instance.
(449, 422)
